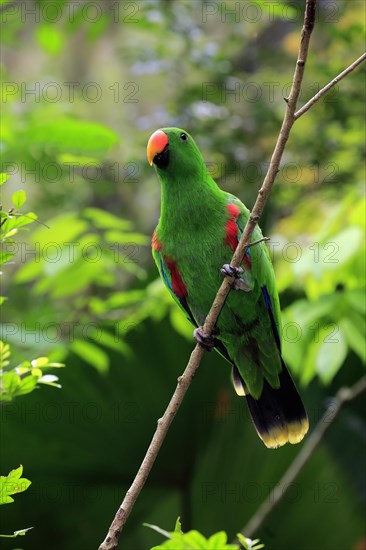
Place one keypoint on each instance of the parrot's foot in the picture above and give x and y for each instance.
(230, 271)
(204, 340)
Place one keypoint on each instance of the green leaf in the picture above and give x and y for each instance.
(29, 271)
(24, 377)
(12, 484)
(19, 220)
(68, 135)
(3, 178)
(19, 198)
(124, 299)
(4, 352)
(10, 384)
(39, 362)
(105, 220)
(65, 228)
(10, 233)
(354, 336)
(243, 541)
(193, 540)
(178, 526)
(299, 322)
(330, 354)
(69, 158)
(357, 299)
(126, 238)
(27, 385)
(217, 541)
(249, 544)
(347, 243)
(92, 354)
(112, 341)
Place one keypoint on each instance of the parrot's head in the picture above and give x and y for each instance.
(175, 155)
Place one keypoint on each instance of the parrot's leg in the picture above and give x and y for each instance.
(230, 271)
(204, 340)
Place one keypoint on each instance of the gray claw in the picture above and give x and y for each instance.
(236, 272)
(204, 340)
(231, 271)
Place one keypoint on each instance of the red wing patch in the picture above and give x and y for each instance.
(234, 211)
(178, 287)
(177, 284)
(232, 233)
(155, 243)
(231, 227)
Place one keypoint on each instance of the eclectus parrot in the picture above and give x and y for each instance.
(197, 233)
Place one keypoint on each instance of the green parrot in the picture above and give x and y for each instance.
(192, 245)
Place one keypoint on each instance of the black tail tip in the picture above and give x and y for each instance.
(279, 415)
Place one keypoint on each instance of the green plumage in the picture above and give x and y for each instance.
(197, 231)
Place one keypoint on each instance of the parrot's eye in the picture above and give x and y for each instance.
(183, 136)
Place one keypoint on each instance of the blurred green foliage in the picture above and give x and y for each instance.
(193, 540)
(83, 87)
(25, 377)
(13, 484)
(329, 321)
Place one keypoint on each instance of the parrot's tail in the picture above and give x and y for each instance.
(279, 415)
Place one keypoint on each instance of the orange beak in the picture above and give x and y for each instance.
(156, 144)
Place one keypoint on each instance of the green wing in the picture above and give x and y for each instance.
(261, 269)
(167, 275)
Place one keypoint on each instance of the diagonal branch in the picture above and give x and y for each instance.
(330, 85)
(343, 396)
(184, 381)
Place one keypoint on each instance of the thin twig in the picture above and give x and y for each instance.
(114, 532)
(344, 395)
(262, 240)
(330, 85)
